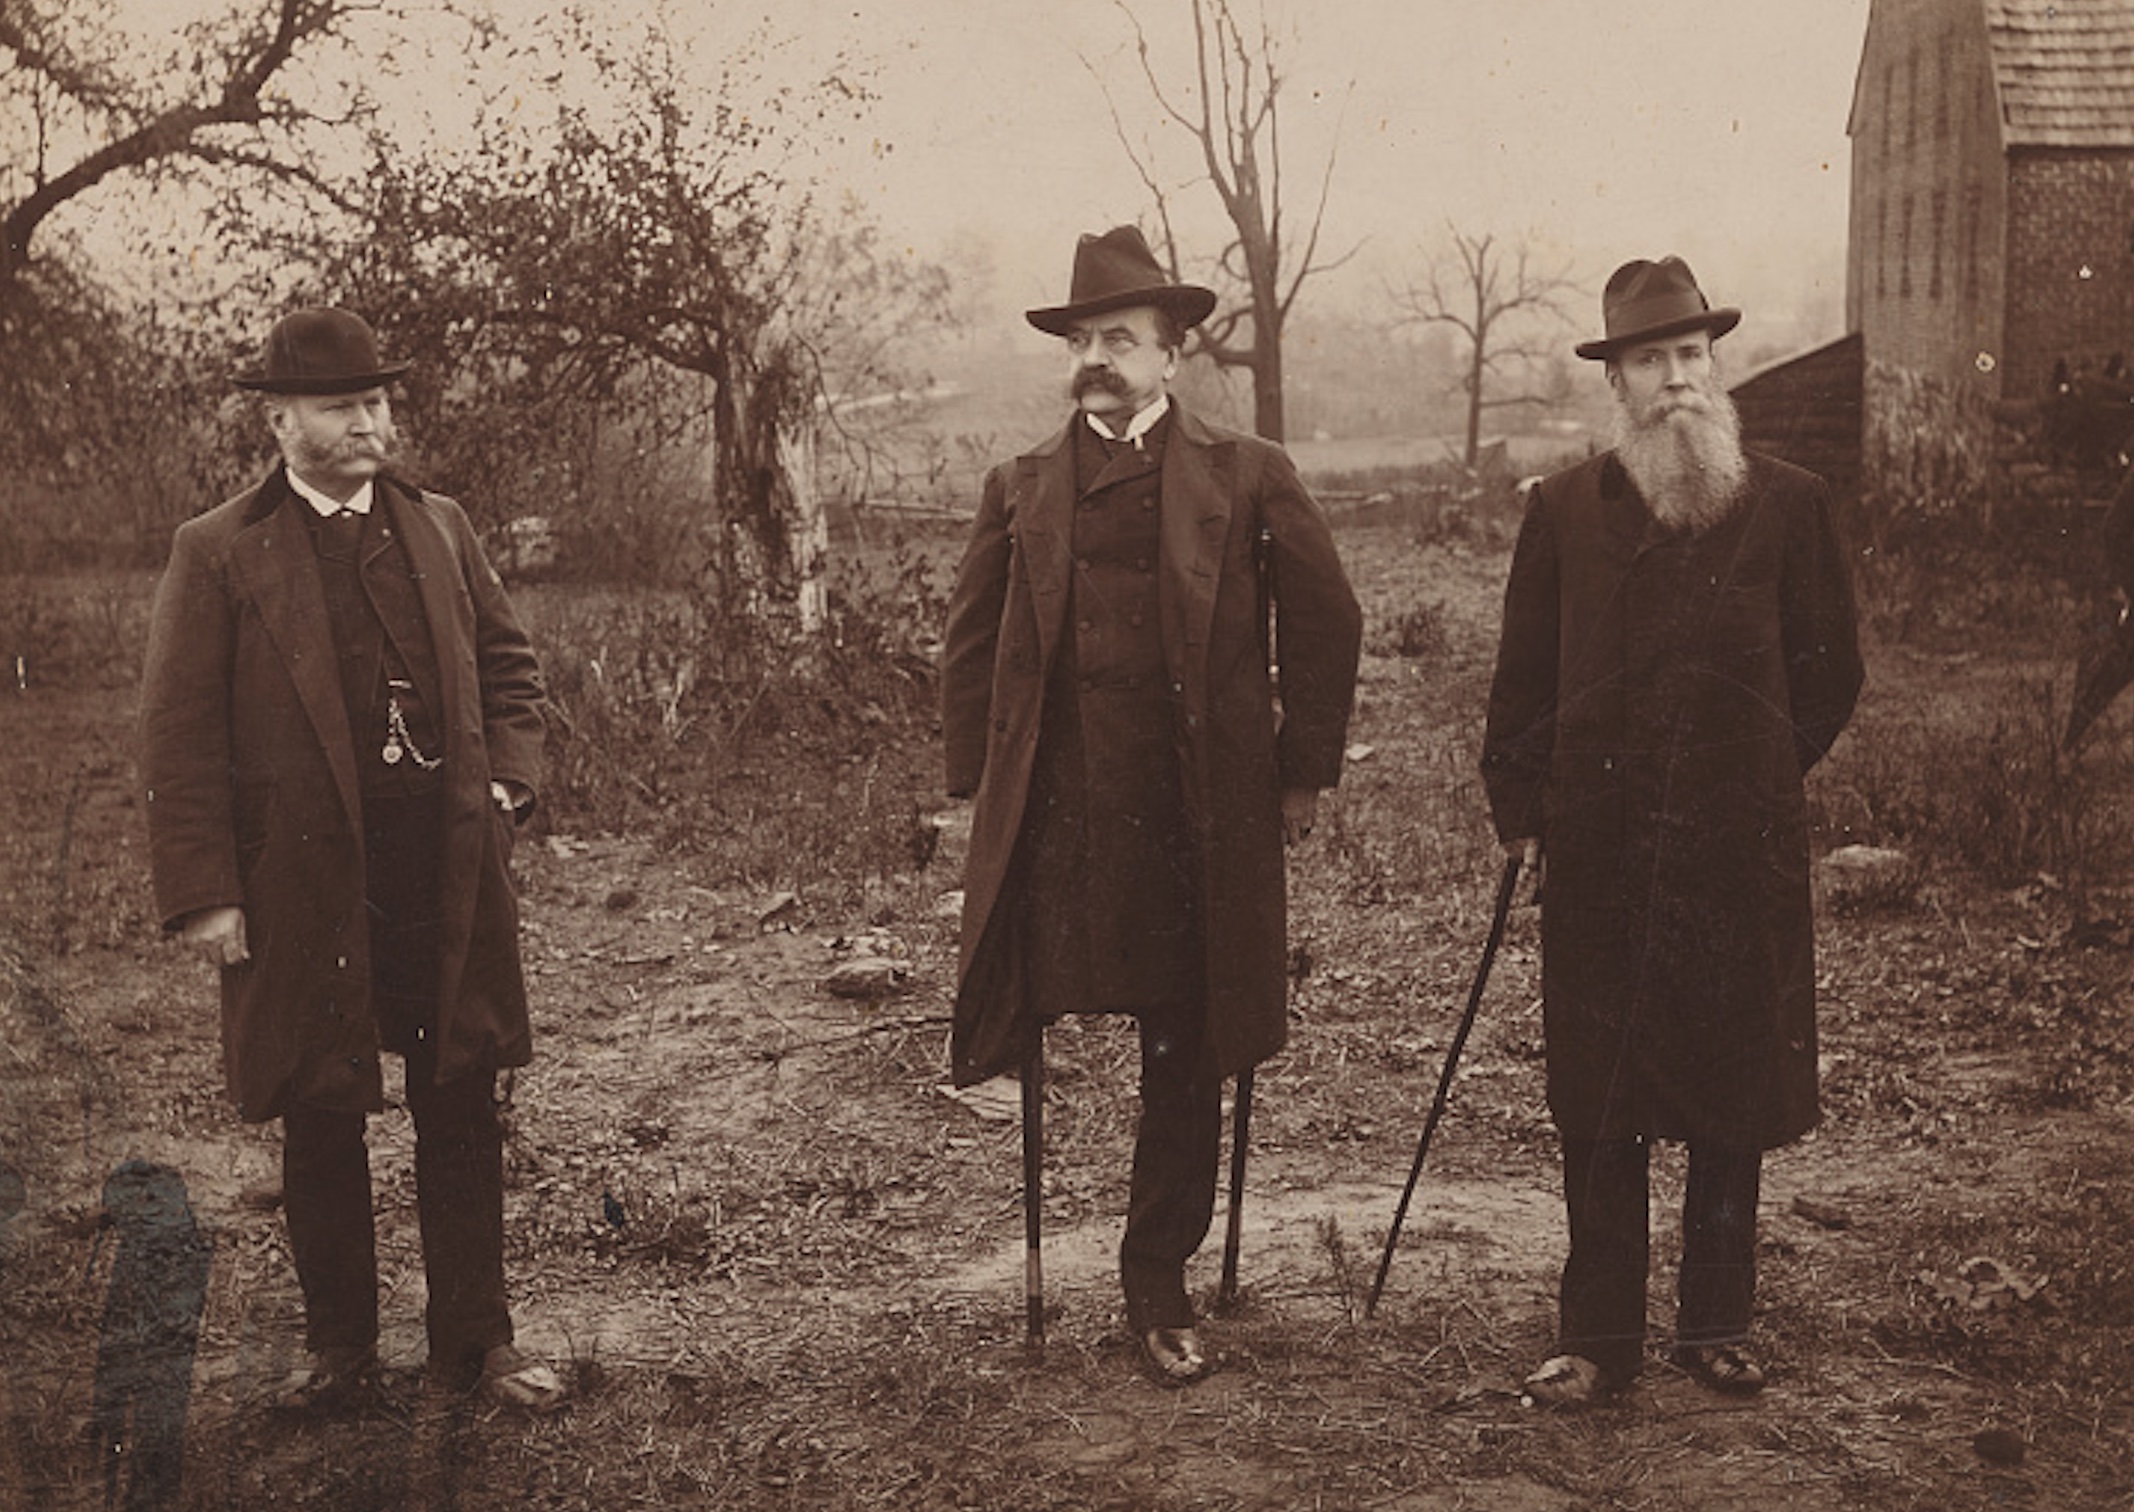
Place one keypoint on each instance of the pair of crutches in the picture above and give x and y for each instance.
(1033, 1103)
(1033, 1073)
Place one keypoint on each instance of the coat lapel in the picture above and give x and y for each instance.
(274, 556)
(1043, 514)
(1197, 489)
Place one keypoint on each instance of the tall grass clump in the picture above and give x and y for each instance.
(1990, 788)
(799, 761)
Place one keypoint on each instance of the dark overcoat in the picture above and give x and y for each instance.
(1222, 493)
(1658, 698)
(250, 774)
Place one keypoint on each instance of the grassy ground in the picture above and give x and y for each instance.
(783, 1268)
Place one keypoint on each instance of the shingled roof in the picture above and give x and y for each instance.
(2065, 69)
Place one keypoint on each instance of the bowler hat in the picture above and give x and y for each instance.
(1645, 300)
(1116, 270)
(319, 351)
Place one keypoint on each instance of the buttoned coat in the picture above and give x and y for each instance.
(1232, 506)
(1658, 698)
(249, 766)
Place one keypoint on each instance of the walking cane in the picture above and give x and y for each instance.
(1240, 1136)
(1033, 1191)
(1241, 1104)
(1444, 1081)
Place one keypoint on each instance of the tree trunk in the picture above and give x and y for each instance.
(1474, 408)
(1267, 415)
(810, 541)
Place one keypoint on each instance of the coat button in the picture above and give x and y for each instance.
(340, 963)
(1000, 724)
(355, 1063)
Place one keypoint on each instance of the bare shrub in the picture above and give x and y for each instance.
(806, 763)
(74, 630)
(1418, 630)
(2001, 798)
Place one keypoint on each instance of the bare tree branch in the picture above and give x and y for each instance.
(1485, 296)
(1236, 124)
(178, 131)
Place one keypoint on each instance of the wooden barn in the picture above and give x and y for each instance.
(1806, 409)
(1992, 225)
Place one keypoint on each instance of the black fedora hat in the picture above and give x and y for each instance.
(319, 351)
(1645, 300)
(1116, 270)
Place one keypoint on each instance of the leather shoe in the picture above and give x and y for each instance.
(518, 1380)
(1727, 1368)
(1174, 1355)
(327, 1380)
(1568, 1380)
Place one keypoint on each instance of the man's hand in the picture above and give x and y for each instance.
(218, 934)
(1299, 807)
(509, 796)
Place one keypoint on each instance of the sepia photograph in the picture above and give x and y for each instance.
(1177, 756)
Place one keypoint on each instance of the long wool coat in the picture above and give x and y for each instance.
(1221, 492)
(252, 798)
(1658, 698)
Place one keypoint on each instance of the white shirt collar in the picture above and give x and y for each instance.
(359, 503)
(1142, 423)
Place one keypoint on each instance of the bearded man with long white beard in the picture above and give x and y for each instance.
(1678, 650)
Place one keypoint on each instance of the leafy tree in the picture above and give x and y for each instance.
(1493, 296)
(1229, 102)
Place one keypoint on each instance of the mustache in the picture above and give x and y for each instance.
(1086, 379)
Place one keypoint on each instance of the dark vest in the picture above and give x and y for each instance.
(1111, 897)
(386, 657)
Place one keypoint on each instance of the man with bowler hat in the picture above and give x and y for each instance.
(341, 731)
(1107, 696)
(1678, 649)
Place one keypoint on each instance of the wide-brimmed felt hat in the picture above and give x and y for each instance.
(1116, 270)
(1645, 300)
(319, 351)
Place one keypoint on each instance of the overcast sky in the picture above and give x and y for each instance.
(1712, 128)
(1595, 131)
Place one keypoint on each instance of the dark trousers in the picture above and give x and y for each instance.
(1176, 1156)
(1602, 1303)
(459, 1144)
(459, 1201)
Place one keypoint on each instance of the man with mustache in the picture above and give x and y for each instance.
(1107, 695)
(1678, 649)
(340, 733)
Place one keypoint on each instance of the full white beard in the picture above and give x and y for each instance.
(1687, 460)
